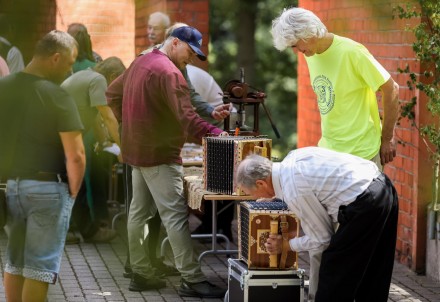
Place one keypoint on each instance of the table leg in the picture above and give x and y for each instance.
(214, 237)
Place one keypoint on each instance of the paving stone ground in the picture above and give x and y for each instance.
(93, 272)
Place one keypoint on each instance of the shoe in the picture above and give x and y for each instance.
(202, 289)
(103, 235)
(128, 273)
(71, 238)
(139, 283)
(162, 269)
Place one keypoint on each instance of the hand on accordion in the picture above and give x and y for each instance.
(274, 244)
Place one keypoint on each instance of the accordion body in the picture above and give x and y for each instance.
(221, 157)
(254, 220)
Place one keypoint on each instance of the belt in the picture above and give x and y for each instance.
(380, 176)
(43, 176)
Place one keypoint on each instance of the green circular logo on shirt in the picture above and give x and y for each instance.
(326, 96)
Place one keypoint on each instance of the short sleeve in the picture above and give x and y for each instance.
(97, 88)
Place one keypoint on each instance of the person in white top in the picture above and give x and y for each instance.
(9, 52)
(4, 70)
(323, 187)
(205, 85)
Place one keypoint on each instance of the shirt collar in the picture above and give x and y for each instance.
(276, 181)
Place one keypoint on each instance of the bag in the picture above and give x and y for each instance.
(3, 206)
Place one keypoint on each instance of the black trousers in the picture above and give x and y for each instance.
(81, 214)
(101, 170)
(358, 264)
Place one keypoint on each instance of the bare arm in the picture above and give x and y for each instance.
(390, 101)
(75, 159)
(112, 125)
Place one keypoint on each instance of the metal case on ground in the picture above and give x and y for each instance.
(263, 285)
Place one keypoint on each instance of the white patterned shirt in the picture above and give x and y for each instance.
(314, 182)
(14, 58)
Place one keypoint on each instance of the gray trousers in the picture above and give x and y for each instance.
(160, 188)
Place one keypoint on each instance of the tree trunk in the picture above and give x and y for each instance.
(245, 26)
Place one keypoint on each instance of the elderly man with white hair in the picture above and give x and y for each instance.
(324, 187)
(345, 77)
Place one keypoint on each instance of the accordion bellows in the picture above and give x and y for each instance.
(254, 228)
(221, 157)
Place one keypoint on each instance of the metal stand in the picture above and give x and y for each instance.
(214, 198)
(240, 94)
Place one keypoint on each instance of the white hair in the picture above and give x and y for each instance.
(165, 19)
(296, 24)
(170, 29)
(252, 168)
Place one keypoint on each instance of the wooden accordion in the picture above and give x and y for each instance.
(221, 157)
(256, 221)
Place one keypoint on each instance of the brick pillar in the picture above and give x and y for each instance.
(110, 25)
(31, 20)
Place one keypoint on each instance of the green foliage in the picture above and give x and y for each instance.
(427, 50)
(275, 72)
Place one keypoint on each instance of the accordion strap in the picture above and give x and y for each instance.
(284, 226)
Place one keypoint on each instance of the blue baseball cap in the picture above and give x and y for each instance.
(191, 36)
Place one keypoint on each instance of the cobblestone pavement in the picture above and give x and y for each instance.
(93, 272)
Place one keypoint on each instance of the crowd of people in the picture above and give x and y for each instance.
(68, 78)
(69, 115)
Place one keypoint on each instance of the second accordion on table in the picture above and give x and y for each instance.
(222, 155)
(256, 220)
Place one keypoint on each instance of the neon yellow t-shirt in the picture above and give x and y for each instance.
(345, 78)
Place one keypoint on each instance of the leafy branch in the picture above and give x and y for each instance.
(426, 47)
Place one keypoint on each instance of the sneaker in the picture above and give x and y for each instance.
(103, 235)
(162, 270)
(202, 289)
(139, 283)
(71, 238)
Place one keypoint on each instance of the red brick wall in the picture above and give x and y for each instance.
(371, 23)
(110, 24)
(31, 20)
(192, 12)
(117, 28)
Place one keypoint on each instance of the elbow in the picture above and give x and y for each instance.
(78, 158)
(396, 88)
